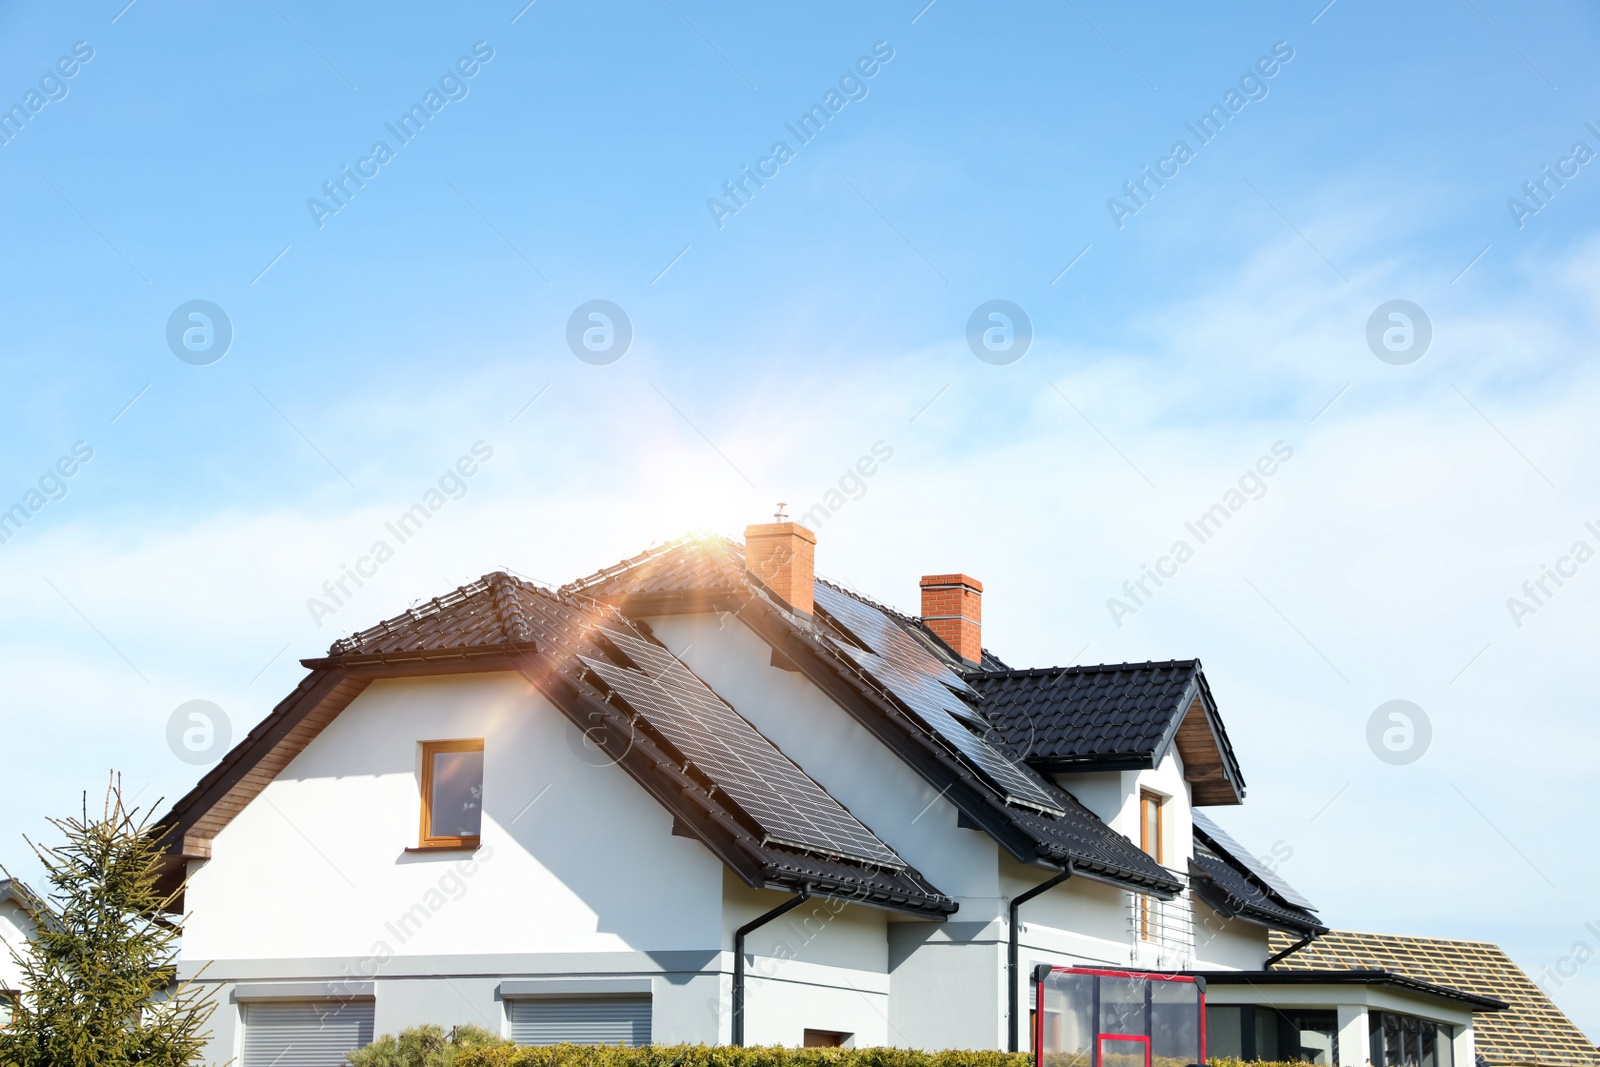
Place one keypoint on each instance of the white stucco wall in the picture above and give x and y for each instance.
(15, 929)
(949, 990)
(1227, 944)
(317, 866)
(578, 875)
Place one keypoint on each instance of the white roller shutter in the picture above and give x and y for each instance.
(305, 1033)
(580, 1020)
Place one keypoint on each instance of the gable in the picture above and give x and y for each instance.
(1123, 716)
(569, 651)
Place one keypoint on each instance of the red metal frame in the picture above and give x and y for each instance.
(1154, 976)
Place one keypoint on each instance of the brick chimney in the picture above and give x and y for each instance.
(783, 556)
(952, 607)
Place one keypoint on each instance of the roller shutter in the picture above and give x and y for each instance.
(581, 1020)
(307, 1033)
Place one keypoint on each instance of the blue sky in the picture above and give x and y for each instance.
(829, 313)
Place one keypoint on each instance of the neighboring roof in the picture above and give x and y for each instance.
(1368, 976)
(899, 694)
(720, 778)
(1532, 1030)
(14, 890)
(1120, 716)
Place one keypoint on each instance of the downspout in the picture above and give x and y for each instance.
(1011, 949)
(1296, 947)
(738, 957)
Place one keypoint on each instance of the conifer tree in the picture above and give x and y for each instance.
(99, 985)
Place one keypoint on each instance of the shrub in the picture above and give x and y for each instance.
(729, 1056)
(425, 1046)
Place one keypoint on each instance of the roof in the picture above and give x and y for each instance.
(1532, 1030)
(1368, 976)
(1232, 892)
(12, 889)
(1119, 716)
(717, 775)
(1230, 878)
(903, 684)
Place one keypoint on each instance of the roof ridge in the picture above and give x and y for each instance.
(1083, 668)
(416, 613)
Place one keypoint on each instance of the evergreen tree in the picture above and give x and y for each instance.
(99, 984)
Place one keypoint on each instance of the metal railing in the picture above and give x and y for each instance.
(1161, 932)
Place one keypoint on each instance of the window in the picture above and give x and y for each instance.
(826, 1039)
(1407, 1041)
(581, 1020)
(1150, 840)
(1257, 1032)
(1150, 834)
(305, 1033)
(452, 793)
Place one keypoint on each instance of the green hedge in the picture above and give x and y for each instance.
(728, 1056)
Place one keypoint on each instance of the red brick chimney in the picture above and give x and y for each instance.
(783, 556)
(952, 607)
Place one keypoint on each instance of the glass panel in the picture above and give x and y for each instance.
(1315, 1034)
(1174, 1024)
(1069, 1020)
(1446, 1049)
(1267, 1047)
(456, 808)
(1123, 1051)
(1430, 1045)
(1375, 1038)
(1408, 1032)
(1122, 1006)
(1224, 1031)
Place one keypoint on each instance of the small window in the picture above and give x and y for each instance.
(826, 1038)
(452, 793)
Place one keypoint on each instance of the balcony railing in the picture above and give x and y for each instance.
(1161, 932)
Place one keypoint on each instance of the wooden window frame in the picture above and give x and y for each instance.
(425, 842)
(1156, 800)
(1147, 796)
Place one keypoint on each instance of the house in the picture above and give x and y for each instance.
(1530, 1032)
(704, 796)
(16, 930)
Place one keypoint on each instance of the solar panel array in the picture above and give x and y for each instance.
(1241, 855)
(791, 809)
(928, 686)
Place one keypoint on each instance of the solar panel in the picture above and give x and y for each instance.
(928, 686)
(791, 809)
(1243, 856)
